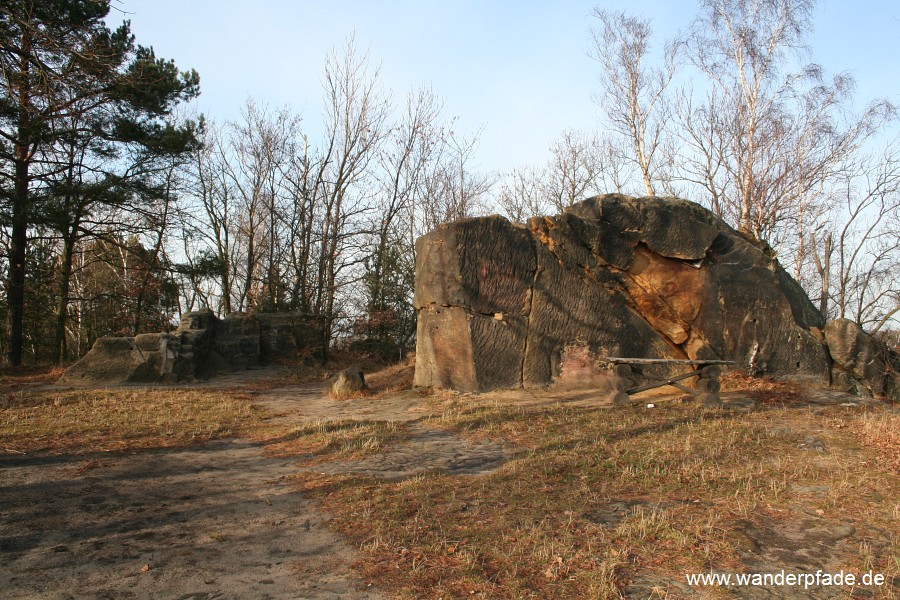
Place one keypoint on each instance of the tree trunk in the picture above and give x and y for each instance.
(826, 277)
(152, 264)
(226, 286)
(62, 311)
(15, 291)
(142, 293)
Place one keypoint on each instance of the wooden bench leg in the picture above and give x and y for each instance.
(708, 386)
(619, 398)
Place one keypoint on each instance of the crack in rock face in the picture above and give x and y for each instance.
(615, 276)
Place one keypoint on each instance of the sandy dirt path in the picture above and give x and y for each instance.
(221, 520)
(217, 521)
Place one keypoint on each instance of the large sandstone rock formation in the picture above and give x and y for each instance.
(202, 346)
(502, 304)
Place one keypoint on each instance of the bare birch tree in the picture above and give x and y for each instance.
(633, 94)
(740, 45)
(766, 142)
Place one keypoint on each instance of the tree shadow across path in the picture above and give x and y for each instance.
(215, 521)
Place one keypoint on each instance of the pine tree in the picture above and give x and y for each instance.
(66, 80)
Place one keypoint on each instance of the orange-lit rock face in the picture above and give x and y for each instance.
(504, 305)
(665, 292)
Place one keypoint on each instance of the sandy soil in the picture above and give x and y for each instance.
(223, 520)
(218, 521)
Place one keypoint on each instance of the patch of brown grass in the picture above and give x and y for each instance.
(15, 379)
(83, 421)
(332, 440)
(380, 377)
(539, 526)
(767, 391)
(288, 375)
(881, 431)
(391, 379)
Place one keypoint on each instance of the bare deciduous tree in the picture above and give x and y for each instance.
(216, 217)
(521, 194)
(259, 149)
(580, 165)
(633, 93)
(703, 132)
(857, 253)
(575, 169)
(355, 124)
(765, 142)
(405, 160)
(454, 188)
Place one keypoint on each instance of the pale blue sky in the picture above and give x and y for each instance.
(519, 70)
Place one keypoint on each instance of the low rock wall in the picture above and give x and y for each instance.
(202, 346)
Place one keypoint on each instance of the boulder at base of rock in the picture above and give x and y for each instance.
(347, 382)
(860, 360)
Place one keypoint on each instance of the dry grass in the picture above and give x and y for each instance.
(882, 432)
(17, 379)
(330, 440)
(83, 421)
(684, 483)
(595, 498)
(380, 377)
(391, 379)
(767, 391)
(296, 375)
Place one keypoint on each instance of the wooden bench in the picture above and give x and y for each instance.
(706, 388)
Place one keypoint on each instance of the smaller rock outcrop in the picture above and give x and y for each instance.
(287, 334)
(347, 382)
(861, 364)
(202, 346)
(120, 359)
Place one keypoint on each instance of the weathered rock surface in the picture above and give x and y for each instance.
(862, 364)
(347, 382)
(500, 303)
(202, 346)
(118, 359)
(287, 335)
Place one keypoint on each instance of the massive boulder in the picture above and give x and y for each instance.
(501, 304)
